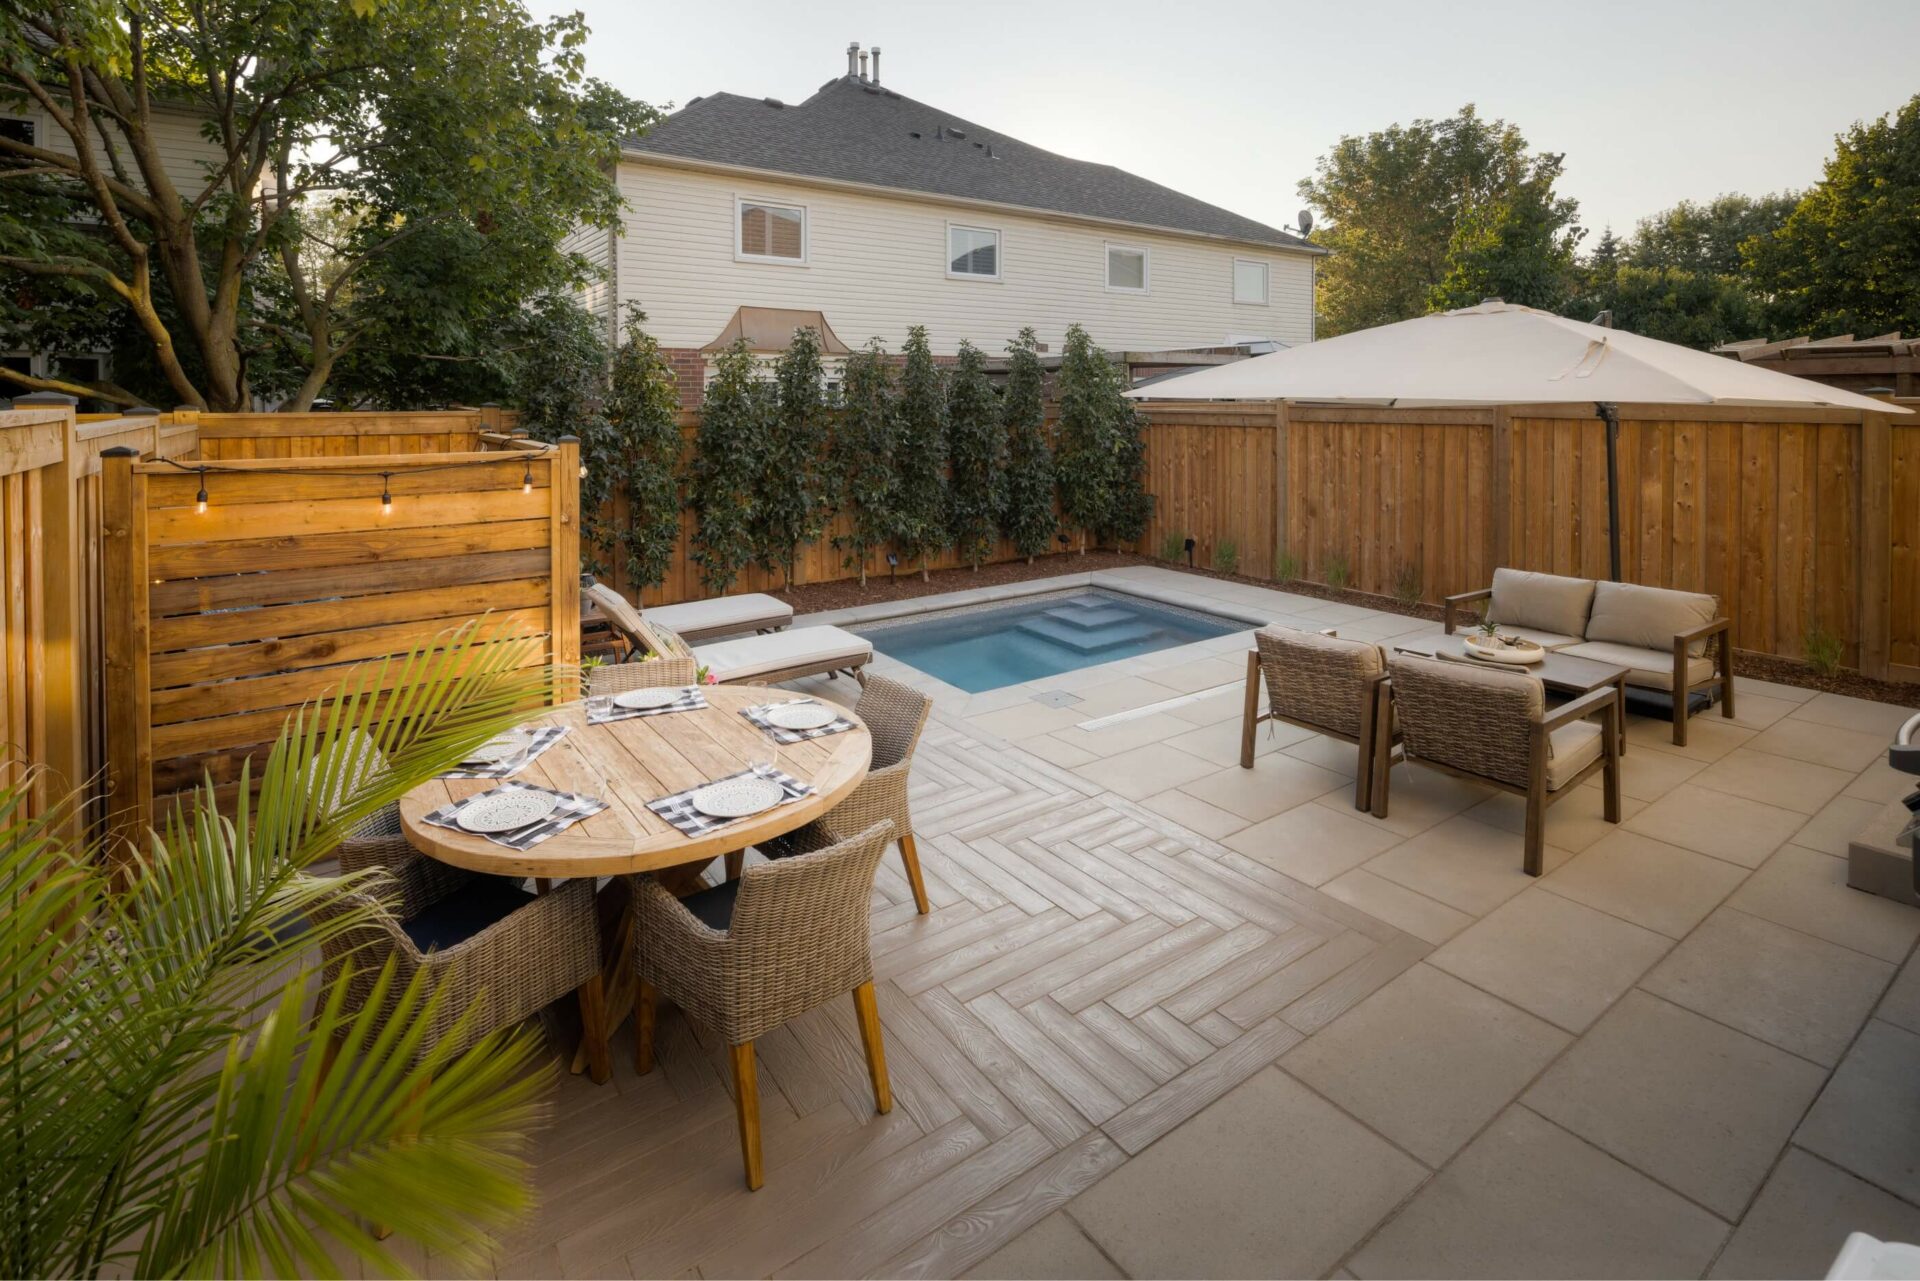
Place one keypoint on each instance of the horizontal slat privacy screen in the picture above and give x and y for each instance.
(296, 572)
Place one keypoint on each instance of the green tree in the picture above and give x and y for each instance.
(920, 455)
(976, 458)
(1847, 260)
(862, 455)
(1517, 245)
(362, 148)
(734, 420)
(1412, 206)
(1100, 461)
(643, 411)
(1029, 518)
(788, 506)
(1705, 239)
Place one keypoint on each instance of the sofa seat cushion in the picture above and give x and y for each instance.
(1648, 617)
(1570, 749)
(1647, 668)
(1548, 602)
(812, 649)
(723, 615)
(1544, 639)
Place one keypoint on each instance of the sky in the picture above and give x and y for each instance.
(1652, 103)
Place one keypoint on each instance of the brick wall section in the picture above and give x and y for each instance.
(690, 371)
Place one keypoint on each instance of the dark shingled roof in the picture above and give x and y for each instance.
(854, 131)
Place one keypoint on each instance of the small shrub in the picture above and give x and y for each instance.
(1335, 571)
(1406, 583)
(1286, 566)
(1226, 556)
(1823, 650)
(1173, 547)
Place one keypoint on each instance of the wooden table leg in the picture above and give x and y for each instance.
(614, 903)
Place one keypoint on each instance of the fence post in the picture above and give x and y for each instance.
(1875, 543)
(123, 577)
(563, 489)
(65, 744)
(1500, 490)
(1281, 481)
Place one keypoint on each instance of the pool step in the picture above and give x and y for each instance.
(1091, 616)
(1087, 640)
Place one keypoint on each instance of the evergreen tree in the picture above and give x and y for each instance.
(734, 420)
(787, 503)
(1102, 447)
(976, 457)
(643, 407)
(1028, 518)
(862, 458)
(920, 455)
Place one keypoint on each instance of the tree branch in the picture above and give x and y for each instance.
(98, 391)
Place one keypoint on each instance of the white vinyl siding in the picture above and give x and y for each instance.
(1127, 269)
(595, 244)
(768, 232)
(973, 253)
(878, 264)
(1250, 282)
(187, 158)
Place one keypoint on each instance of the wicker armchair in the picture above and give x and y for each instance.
(748, 955)
(1492, 726)
(894, 714)
(1319, 682)
(651, 673)
(505, 951)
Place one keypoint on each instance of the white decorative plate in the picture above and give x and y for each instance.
(495, 750)
(1525, 653)
(647, 699)
(506, 812)
(738, 797)
(801, 715)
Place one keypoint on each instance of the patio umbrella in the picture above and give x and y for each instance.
(1503, 354)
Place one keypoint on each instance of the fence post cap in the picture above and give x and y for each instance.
(120, 451)
(489, 404)
(567, 440)
(46, 398)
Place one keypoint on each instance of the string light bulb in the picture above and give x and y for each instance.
(526, 480)
(386, 493)
(200, 499)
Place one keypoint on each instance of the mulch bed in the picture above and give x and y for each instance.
(849, 594)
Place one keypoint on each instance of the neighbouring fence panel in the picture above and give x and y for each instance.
(1903, 569)
(294, 575)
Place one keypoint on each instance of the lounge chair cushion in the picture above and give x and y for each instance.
(723, 615)
(1547, 602)
(1647, 668)
(1649, 617)
(1570, 749)
(812, 649)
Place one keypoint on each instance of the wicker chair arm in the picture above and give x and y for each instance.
(881, 795)
(659, 918)
(1457, 603)
(1605, 699)
(416, 881)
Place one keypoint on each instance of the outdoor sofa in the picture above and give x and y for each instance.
(1662, 637)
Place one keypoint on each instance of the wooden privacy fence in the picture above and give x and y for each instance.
(295, 572)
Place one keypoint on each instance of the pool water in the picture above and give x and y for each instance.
(986, 647)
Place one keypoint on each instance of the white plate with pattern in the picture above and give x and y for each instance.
(505, 812)
(642, 700)
(801, 715)
(738, 797)
(498, 749)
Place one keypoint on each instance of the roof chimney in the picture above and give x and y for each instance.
(853, 52)
(863, 66)
(876, 64)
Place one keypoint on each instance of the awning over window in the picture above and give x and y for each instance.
(771, 329)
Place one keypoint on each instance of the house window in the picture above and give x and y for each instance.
(1250, 282)
(770, 233)
(79, 369)
(1126, 269)
(14, 129)
(973, 252)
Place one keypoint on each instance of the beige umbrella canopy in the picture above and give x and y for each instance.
(1501, 354)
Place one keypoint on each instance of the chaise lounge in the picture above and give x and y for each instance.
(1659, 635)
(768, 658)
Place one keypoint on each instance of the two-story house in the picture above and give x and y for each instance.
(872, 212)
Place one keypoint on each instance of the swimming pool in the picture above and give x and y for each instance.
(982, 647)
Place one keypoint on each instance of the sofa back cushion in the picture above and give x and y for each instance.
(1649, 617)
(1545, 602)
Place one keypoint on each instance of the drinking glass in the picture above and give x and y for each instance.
(599, 706)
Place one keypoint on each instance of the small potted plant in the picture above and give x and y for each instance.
(1490, 645)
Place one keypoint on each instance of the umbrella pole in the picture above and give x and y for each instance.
(1610, 415)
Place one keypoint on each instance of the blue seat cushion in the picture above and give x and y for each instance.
(713, 908)
(483, 901)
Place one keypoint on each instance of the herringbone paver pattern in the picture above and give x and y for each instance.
(1091, 975)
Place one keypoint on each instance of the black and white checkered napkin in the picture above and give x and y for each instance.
(572, 808)
(690, 700)
(678, 808)
(758, 715)
(542, 739)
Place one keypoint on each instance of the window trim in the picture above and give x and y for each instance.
(999, 253)
(740, 254)
(1146, 267)
(1266, 277)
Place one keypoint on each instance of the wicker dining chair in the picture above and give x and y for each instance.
(501, 949)
(650, 673)
(1491, 725)
(746, 956)
(1319, 682)
(894, 714)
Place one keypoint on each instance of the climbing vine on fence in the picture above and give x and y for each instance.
(1028, 519)
(1100, 451)
(920, 455)
(643, 405)
(787, 504)
(976, 458)
(862, 455)
(726, 464)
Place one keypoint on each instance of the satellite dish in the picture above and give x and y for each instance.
(1306, 222)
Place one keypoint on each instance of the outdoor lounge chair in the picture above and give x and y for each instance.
(774, 656)
(694, 620)
(1319, 682)
(746, 956)
(1491, 725)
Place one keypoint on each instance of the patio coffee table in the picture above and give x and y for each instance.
(1563, 673)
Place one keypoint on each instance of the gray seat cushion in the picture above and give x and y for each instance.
(723, 615)
(481, 902)
(1547, 602)
(1570, 749)
(813, 649)
(1647, 668)
(1649, 617)
(713, 907)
